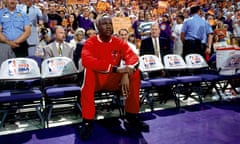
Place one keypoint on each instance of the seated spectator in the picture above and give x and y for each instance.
(78, 38)
(78, 50)
(101, 57)
(123, 34)
(58, 47)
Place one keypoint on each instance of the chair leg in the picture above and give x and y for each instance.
(176, 93)
(38, 109)
(5, 112)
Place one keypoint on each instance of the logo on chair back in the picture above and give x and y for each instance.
(55, 66)
(195, 60)
(18, 67)
(173, 60)
(23, 68)
(12, 67)
(149, 62)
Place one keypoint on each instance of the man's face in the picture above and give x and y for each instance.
(155, 30)
(60, 34)
(105, 26)
(11, 3)
(28, 2)
(52, 8)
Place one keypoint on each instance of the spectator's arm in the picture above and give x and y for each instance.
(182, 37)
(3, 39)
(25, 34)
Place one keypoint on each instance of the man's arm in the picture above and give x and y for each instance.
(182, 37)
(209, 43)
(24, 35)
(3, 39)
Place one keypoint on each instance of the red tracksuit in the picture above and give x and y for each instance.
(98, 58)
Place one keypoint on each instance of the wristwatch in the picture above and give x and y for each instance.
(114, 69)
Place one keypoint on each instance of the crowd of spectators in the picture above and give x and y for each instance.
(78, 19)
(63, 28)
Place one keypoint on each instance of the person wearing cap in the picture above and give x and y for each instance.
(195, 31)
(101, 56)
(15, 28)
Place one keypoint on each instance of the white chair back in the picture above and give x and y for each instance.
(150, 63)
(58, 66)
(19, 69)
(174, 61)
(195, 61)
(231, 65)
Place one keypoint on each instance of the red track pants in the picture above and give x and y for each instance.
(94, 82)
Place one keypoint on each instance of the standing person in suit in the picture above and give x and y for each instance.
(58, 47)
(155, 44)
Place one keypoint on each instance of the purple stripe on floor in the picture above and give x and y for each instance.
(210, 123)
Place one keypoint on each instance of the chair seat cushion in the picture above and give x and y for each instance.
(145, 84)
(20, 95)
(209, 77)
(163, 81)
(62, 91)
(188, 79)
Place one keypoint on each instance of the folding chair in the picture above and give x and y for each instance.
(176, 68)
(15, 96)
(149, 64)
(229, 72)
(198, 66)
(60, 85)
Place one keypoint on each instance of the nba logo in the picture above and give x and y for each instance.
(12, 67)
(51, 66)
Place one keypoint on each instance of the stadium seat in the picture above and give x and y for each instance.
(198, 66)
(15, 95)
(229, 72)
(176, 68)
(60, 86)
(151, 68)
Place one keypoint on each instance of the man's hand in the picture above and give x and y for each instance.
(13, 44)
(208, 50)
(125, 84)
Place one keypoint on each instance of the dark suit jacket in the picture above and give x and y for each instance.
(77, 54)
(148, 48)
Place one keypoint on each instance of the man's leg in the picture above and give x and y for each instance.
(132, 105)
(87, 104)
(94, 82)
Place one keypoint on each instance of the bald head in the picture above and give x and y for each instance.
(105, 27)
(59, 33)
(155, 30)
